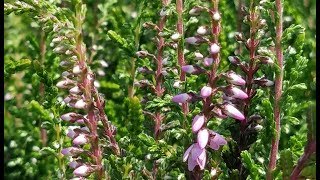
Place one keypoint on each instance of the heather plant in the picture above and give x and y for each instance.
(139, 89)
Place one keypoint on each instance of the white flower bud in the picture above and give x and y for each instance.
(202, 30)
(175, 36)
(216, 16)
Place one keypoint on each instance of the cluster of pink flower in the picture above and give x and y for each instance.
(83, 96)
(196, 153)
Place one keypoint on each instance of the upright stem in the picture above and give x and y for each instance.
(133, 62)
(43, 131)
(278, 92)
(308, 151)
(181, 60)
(160, 47)
(158, 118)
(249, 77)
(87, 85)
(239, 22)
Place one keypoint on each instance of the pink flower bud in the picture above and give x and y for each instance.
(202, 30)
(233, 112)
(66, 74)
(198, 55)
(75, 90)
(195, 11)
(197, 123)
(206, 91)
(216, 141)
(234, 59)
(83, 171)
(80, 140)
(214, 48)
(71, 134)
(71, 151)
(80, 104)
(181, 98)
(264, 82)
(188, 69)
(76, 69)
(70, 116)
(67, 99)
(235, 92)
(207, 61)
(235, 78)
(202, 138)
(65, 83)
(192, 40)
(75, 164)
(142, 54)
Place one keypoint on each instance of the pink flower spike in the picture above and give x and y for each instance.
(80, 140)
(181, 98)
(216, 141)
(188, 69)
(207, 61)
(206, 91)
(197, 123)
(202, 138)
(238, 93)
(233, 112)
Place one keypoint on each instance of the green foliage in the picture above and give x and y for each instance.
(113, 31)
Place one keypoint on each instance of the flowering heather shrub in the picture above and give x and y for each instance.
(159, 89)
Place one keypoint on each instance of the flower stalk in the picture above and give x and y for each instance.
(85, 97)
(278, 91)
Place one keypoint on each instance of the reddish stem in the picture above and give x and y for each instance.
(278, 92)
(179, 7)
(160, 47)
(308, 151)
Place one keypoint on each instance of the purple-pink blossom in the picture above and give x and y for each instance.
(197, 123)
(195, 156)
(181, 98)
(216, 140)
(233, 112)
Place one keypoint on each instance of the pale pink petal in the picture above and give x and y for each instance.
(197, 123)
(202, 160)
(203, 136)
(233, 112)
(196, 151)
(191, 164)
(186, 154)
